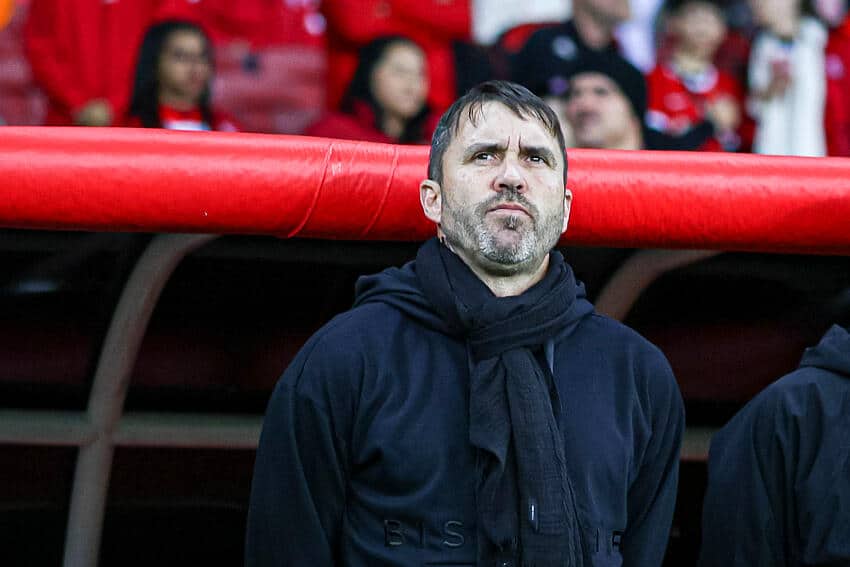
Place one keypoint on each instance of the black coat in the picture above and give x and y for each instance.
(365, 456)
(779, 472)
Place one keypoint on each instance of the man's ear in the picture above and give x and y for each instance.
(431, 198)
(568, 201)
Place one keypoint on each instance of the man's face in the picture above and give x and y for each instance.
(598, 112)
(502, 205)
(184, 66)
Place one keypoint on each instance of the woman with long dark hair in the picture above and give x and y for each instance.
(172, 83)
(385, 101)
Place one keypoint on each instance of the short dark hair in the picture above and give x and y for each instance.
(360, 88)
(144, 100)
(517, 98)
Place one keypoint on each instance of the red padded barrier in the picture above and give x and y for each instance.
(158, 181)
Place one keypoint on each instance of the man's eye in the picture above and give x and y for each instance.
(483, 156)
(537, 159)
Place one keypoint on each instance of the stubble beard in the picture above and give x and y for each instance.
(511, 243)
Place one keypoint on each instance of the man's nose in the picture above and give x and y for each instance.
(511, 176)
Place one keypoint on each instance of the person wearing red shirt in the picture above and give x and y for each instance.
(432, 24)
(837, 64)
(686, 88)
(385, 101)
(172, 84)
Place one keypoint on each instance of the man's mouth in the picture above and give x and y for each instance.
(510, 208)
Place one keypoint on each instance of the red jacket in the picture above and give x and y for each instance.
(837, 111)
(360, 126)
(263, 23)
(81, 50)
(674, 107)
(433, 24)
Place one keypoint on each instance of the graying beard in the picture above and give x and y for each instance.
(507, 255)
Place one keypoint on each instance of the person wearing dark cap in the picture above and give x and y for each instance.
(779, 472)
(603, 100)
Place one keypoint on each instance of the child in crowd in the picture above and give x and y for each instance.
(686, 88)
(787, 80)
(172, 84)
(386, 100)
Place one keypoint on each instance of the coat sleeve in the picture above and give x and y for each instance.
(742, 523)
(652, 494)
(298, 490)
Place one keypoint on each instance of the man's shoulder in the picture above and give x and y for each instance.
(619, 338)
(343, 348)
(631, 360)
(800, 393)
(358, 327)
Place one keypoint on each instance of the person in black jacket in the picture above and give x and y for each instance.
(472, 408)
(779, 472)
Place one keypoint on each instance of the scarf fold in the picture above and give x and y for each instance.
(526, 505)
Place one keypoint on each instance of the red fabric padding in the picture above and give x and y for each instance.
(163, 181)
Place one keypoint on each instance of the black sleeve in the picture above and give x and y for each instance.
(743, 511)
(298, 490)
(652, 495)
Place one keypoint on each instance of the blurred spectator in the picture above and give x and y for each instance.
(601, 100)
(554, 53)
(172, 84)
(837, 112)
(686, 87)
(591, 30)
(82, 53)
(779, 471)
(433, 24)
(385, 101)
(605, 99)
(787, 80)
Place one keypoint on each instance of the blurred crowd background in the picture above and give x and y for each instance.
(764, 76)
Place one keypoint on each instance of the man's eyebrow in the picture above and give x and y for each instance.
(488, 147)
(542, 151)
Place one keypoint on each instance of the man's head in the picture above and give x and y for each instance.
(392, 78)
(497, 174)
(600, 114)
(603, 98)
(175, 67)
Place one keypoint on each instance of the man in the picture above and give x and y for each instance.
(472, 408)
(779, 471)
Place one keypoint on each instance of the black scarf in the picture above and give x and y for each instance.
(526, 506)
